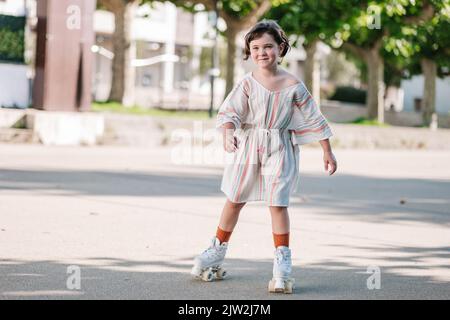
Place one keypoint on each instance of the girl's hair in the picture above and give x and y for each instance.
(270, 27)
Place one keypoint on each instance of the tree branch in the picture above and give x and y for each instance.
(250, 19)
(256, 13)
(426, 14)
(353, 48)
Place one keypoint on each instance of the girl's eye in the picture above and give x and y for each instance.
(256, 48)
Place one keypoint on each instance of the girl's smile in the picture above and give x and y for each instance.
(264, 50)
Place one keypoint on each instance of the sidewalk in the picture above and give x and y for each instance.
(132, 222)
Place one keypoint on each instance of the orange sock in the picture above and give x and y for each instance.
(281, 239)
(223, 235)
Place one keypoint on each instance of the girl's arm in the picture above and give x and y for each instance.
(325, 145)
(229, 140)
(231, 114)
(307, 122)
(329, 159)
(309, 125)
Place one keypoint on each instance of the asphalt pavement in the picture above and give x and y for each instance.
(126, 222)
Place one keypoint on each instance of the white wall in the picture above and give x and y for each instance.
(413, 88)
(12, 7)
(14, 89)
(14, 85)
(157, 29)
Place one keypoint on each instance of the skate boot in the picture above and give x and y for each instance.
(282, 268)
(208, 265)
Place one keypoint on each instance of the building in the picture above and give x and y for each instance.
(166, 30)
(16, 77)
(413, 91)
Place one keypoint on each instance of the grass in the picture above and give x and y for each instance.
(116, 107)
(367, 122)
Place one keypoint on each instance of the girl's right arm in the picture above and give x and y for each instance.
(232, 113)
(230, 143)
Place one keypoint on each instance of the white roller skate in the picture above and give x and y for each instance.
(209, 264)
(282, 268)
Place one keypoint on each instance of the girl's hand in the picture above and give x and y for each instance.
(330, 162)
(230, 143)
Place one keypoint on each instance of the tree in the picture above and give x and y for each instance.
(432, 41)
(315, 20)
(122, 73)
(238, 15)
(366, 33)
(421, 48)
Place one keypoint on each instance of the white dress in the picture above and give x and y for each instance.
(270, 127)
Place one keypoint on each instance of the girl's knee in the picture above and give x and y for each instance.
(276, 209)
(236, 205)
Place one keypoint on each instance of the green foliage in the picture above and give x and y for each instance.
(426, 39)
(349, 94)
(362, 28)
(367, 122)
(312, 18)
(234, 8)
(116, 107)
(12, 38)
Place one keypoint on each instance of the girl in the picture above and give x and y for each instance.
(264, 119)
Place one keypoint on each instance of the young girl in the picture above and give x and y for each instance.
(264, 119)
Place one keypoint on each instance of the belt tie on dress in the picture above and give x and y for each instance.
(266, 135)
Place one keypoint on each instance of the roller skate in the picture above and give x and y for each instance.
(282, 268)
(208, 265)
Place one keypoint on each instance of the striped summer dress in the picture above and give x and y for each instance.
(270, 127)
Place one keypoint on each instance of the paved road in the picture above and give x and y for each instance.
(132, 221)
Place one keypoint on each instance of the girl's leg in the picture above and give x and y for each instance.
(228, 220)
(280, 225)
(282, 263)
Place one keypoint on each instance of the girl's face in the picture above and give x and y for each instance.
(265, 51)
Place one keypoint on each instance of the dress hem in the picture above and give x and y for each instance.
(255, 200)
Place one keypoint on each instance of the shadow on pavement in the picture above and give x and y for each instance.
(111, 278)
(347, 196)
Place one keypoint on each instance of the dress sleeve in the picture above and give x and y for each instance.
(235, 106)
(307, 122)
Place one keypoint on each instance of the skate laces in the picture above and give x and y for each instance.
(215, 250)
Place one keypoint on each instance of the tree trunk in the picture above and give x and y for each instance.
(129, 95)
(429, 69)
(120, 49)
(375, 92)
(231, 57)
(312, 70)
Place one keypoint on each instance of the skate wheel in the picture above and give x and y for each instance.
(207, 276)
(271, 286)
(289, 286)
(196, 272)
(221, 274)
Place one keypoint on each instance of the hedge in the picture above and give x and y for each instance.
(12, 38)
(349, 94)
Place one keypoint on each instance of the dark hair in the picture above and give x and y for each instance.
(270, 27)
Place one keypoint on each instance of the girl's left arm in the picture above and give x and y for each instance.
(329, 160)
(309, 125)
